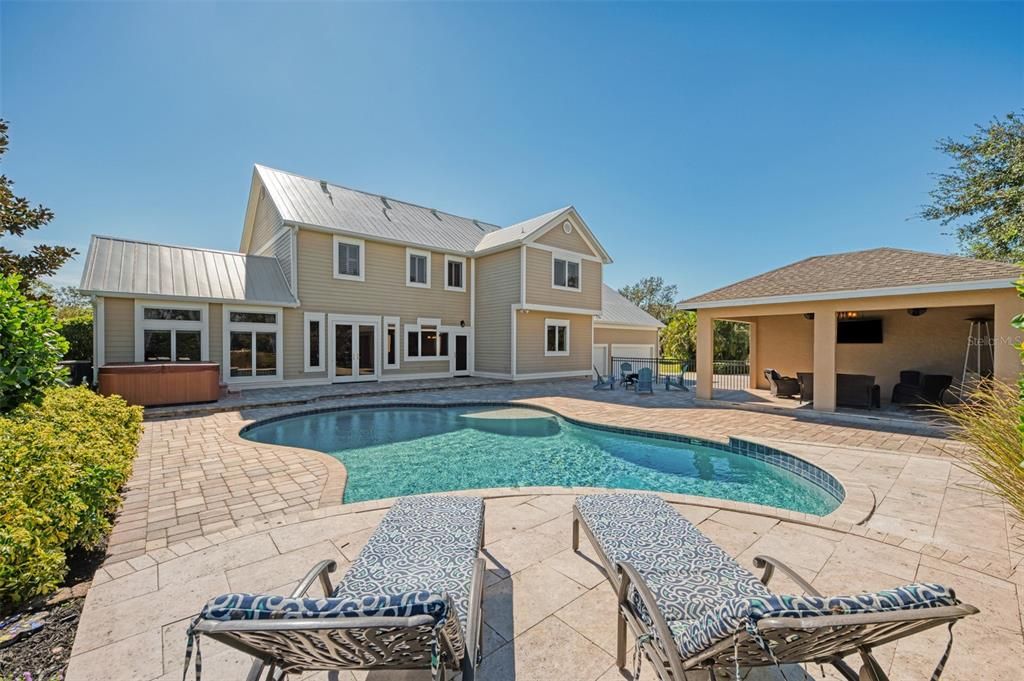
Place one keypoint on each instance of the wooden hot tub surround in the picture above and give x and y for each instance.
(161, 383)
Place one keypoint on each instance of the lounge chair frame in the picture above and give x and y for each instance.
(349, 643)
(823, 639)
(604, 381)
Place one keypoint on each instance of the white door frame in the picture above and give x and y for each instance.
(468, 333)
(353, 321)
(607, 357)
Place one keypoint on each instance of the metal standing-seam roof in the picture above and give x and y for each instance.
(617, 310)
(869, 270)
(125, 267)
(517, 232)
(318, 203)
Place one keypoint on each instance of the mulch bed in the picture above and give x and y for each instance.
(44, 655)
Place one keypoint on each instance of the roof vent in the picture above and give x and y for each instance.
(323, 186)
(434, 213)
(479, 226)
(384, 200)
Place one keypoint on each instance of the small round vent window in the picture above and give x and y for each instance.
(567, 227)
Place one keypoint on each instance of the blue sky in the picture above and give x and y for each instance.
(701, 142)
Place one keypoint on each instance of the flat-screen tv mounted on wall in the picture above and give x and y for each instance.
(859, 331)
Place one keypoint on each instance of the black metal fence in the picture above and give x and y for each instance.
(729, 374)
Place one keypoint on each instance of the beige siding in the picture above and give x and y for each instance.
(784, 343)
(611, 336)
(266, 222)
(538, 283)
(383, 293)
(530, 357)
(216, 333)
(557, 238)
(497, 289)
(119, 328)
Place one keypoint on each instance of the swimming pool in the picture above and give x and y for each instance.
(391, 452)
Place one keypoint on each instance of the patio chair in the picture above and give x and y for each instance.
(626, 376)
(411, 600)
(645, 382)
(604, 381)
(692, 608)
(781, 386)
(915, 389)
(857, 390)
(679, 383)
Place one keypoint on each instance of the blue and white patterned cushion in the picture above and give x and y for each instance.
(687, 573)
(423, 543)
(741, 614)
(246, 606)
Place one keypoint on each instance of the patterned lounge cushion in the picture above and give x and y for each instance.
(426, 542)
(687, 573)
(244, 606)
(738, 614)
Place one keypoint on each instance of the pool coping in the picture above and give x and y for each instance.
(855, 507)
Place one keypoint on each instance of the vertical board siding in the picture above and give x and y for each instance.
(497, 289)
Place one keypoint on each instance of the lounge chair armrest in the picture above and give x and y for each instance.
(769, 565)
(474, 618)
(319, 571)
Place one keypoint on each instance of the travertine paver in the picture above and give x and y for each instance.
(549, 612)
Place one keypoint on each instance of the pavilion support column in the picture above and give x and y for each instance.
(755, 366)
(825, 359)
(705, 354)
(1006, 363)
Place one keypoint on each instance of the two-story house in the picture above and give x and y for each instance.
(332, 284)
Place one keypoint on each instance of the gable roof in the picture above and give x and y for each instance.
(616, 310)
(878, 271)
(316, 203)
(138, 268)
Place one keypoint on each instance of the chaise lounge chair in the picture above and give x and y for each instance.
(411, 600)
(604, 381)
(781, 386)
(694, 609)
(645, 382)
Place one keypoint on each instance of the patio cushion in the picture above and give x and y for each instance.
(736, 615)
(247, 606)
(687, 573)
(423, 543)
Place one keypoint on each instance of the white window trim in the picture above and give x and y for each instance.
(567, 257)
(459, 259)
(417, 327)
(142, 325)
(228, 326)
(557, 322)
(409, 252)
(308, 317)
(362, 258)
(397, 323)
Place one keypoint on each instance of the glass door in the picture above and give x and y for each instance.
(355, 348)
(344, 352)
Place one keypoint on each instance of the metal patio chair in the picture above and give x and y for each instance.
(411, 600)
(693, 609)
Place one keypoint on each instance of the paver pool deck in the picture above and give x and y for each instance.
(208, 512)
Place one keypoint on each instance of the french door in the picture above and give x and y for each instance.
(354, 348)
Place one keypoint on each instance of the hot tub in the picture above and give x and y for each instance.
(158, 383)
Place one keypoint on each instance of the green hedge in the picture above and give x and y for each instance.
(77, 331)
(62, 465)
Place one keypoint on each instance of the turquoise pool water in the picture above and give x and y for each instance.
(400, 451)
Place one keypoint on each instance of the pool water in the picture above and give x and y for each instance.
(393, 452)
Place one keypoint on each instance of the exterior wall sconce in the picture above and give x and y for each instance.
(917, 311)
(848, 315)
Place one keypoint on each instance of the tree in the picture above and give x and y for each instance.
(30, 346)
(69, 301)
(732, 340)
(653, 295)
(17, 216)
(983, 192)
(679, 337)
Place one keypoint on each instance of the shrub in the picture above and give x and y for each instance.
(62, 465)
(30, 346)
(77, 331)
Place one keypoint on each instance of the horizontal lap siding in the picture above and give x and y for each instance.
(557, 238)
(497, 290)
(538, 283)
(266, 222)
(383, 293)
(530, 357)
(625, 337)
(119, 328)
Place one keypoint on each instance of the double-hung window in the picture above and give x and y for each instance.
(170, 332)
(565, 273)
(349, 258)
(425, 341)
(417, 268)
(556, 337)
(253, 340)
(455, 273)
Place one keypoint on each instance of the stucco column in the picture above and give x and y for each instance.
(755, 367)
(705, 354)
(825, 359)
(1006, 356)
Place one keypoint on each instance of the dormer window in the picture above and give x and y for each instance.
(349, 258)
(565, 273)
